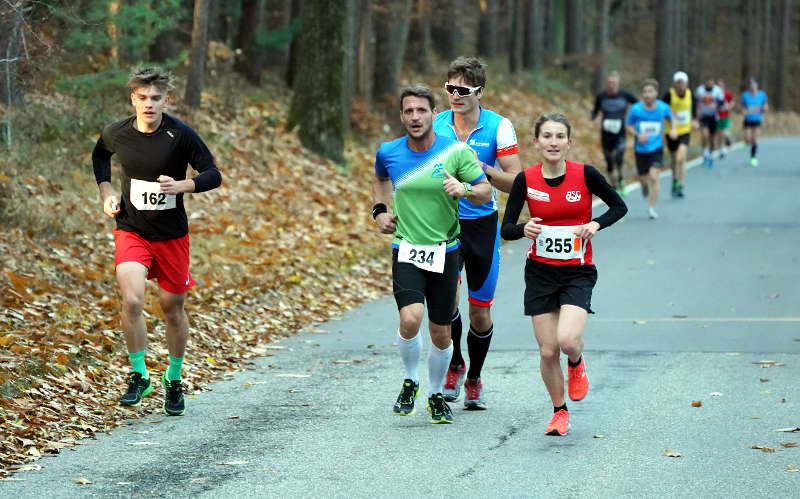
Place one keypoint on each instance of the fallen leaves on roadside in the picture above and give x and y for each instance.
(25, 467)
(696, 403)
(790, 444)
(763, 380)
(599, 436)
(143, 444)
(763, 448)
(792, 469)
(289, 375)
(671, 453)
(83, 481)
(796, 429)
(639, 323)
(234, 463)
(233, 417)
(716, 394)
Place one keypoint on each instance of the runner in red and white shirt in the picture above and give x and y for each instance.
(724, 123)
(559, 270)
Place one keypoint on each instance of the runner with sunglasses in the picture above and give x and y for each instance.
(493, 138)
(423, 176)
(559, 271)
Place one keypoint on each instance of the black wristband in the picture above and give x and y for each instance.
(378, 209)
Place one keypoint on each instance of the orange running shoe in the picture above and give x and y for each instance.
(578, 381)
(559, 425)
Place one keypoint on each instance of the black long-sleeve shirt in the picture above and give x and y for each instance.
(595, 181)
(146, 156)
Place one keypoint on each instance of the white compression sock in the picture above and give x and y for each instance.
(438, 362)
(410, 351)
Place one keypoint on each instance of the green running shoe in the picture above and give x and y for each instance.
(173, 396)
(405, 401)
(440, 411)
(753, 162)
(138, 387)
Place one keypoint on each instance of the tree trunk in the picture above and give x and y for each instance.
(765, 45)
(573, 40)
(366, 52)
(297, 14)
(419, 41)
(391, 34)
(197, 59)
(447, 31)
(517, 11)
(279, 16)
(317, 106)
(165, 46)
(662, 62)
(782, 62)
(11, 22)
(533, 53)
(601, 44)
(556, 27)
(249, 60)
(350, 36)
(487, 29)
(751, 35)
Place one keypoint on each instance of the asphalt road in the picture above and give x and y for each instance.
(687, 305)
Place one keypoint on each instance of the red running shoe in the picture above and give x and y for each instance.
(452, 383)
(559, 424)
(578, 381)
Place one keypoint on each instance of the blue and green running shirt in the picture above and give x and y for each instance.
(426, 214)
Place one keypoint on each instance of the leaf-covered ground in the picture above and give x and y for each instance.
(286, 242)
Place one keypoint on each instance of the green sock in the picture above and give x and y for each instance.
(137, 363)
(174, 369)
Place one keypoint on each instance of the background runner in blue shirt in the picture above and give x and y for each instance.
(646, 123)
(755, 105)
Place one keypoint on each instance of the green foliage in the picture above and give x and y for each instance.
(91, 32)
(138, 23)
(277, 38)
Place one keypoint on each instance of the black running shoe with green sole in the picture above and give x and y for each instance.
(405, 401)
(138, 387)
(173, 396)
(440, 411)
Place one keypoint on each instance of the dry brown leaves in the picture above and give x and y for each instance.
(286, 242)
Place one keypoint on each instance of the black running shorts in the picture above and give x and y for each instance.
(414, 285)
(672, 145)
(709, 122)
(547, 287)
(647, 160)
(480, 256)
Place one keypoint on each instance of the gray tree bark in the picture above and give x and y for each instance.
(366, 52)
(573, 46)
(250, 61)
(447, 29)
(419, 42)
(601, 44)
(11, 52)
(318, 106)
(487, 29)
(782, 62)
(197, 59)
(517, 35)
(391, 34)
(662, 62)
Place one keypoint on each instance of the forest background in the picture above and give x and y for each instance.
(292, 97)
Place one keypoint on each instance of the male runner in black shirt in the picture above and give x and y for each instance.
(152, 234)
(612, 103)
